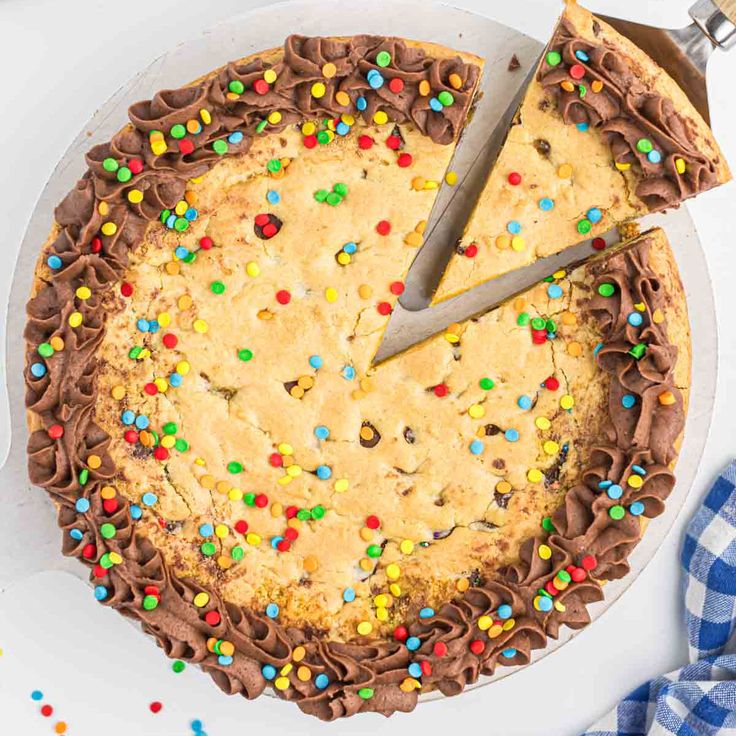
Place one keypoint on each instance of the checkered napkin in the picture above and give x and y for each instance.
(700, 698)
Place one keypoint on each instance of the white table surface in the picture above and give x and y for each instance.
(59, 59)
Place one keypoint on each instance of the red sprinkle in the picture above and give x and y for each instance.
(241, 526)
(151, 389)
(89, 551)
(96, 246)
(283, 296)
(269, 230)
(205, 243)
(56, 431)
(152, 590)
(384, 308)
(284, 545)
(514, 178)
(310, 141)
(404, 160)
(401, 633)
(426, 666)
(130, 436)
(99, 572)
(212, 618)
(291, 534)
(261, 86)
(372, 522)
(186, 146)
(440, 648)
(110, 505)
(291, 512)
(599, 243)
(440, 390)
(261, 500)
(46, 710)
(135, 165)
(589, 562)
(396, 85)
(393, 142)
(126, 289)
(477, 646)
(383, 227)
(155, 707)
(551, 383)
(397, 287)
(364, 141)
(275, 460)
(261, 219)
(170, 340)
(578, 575)
(577, 71)
(471, 251)
(161, 453)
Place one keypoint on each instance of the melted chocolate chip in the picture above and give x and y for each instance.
(397, 132)
(266, 226)
(514, 63)
(552, 474)
(502, 499)
(542, 147)
(499, 463)
(492, 429)
(409, 435)
(369, 435)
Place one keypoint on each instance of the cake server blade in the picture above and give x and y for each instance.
(407, 328)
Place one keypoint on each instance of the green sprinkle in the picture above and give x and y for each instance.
(105, 561)
(553, 58)
(236, 86)
(617, 512)
(110, 164)
(383, 58)
(178, 131)
(638, 351)
(219, 146)
(564, 575)
(274, 165)
(333, 199)
(83, 476)
(547, 525)
(234, 467)
(150, 602)
(261, 126)
(45, 350)
(523, 319)
(366, 693)
(208, 549)
(217, 287)
(446, 98)
(606, 289)
(644, 145)
(303, 514)
(181, 224)
(321, 195)
(124, 174)
(170, 428)
(245, 355)
(538, 323)
(108, 531)
(249, 499)
(584, 226)
(237, 553)
(486, 384)
(373, 550)
(181, 444)
(582, 91)
(164, 215)
(341, 189)
(550, 325)
(323, 137)
(178, 666)
(318, 512)
(190, 257)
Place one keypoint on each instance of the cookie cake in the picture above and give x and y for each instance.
(205, 412)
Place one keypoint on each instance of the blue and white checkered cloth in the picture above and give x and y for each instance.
(700, 698)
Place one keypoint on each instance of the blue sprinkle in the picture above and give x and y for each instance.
(597, 348)
(581, 55)
(275, 542)
(321, 681)
(514, 227)
(654, 156)
(361, 103)
(509, 653)
(76, 534)
(615, 491)
(181, 252)
(324, 472)
(628, 401)
(348, 372)
(476, 447)
(524, 402)
(594, 215)
(545, 604)
(196, 725)
(554, 291)
(176, 379)
(38, 370)
(100, 592)
(372, 73)
(225, 660)
(206, 530)
(316, 362)
(413, 643)
(342, 128)
(54, 262)
(638, 470)
(348, 595)
(273, 196)
(272, 610)
(82, 505)
(141, 421)
(512, 435)
(154, 326)
(36, 695)
(268, 671)
(375, 80)
(170, 220)
(415, 669)
(321, 432)
(142, 325)
(635, 319)
(551, 335)
(546, 204)
(605, 484)
(636, 508)
(191, 214)
(235, 137)
(426, 612)
(135, 511)
(582, 127)
(504, 611)
(149, 498)
(435, 104)
(350, 248)
(127, 417)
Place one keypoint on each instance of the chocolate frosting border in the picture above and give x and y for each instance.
(364, 675)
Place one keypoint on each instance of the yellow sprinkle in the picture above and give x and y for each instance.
(274, 118)
(680, 165)
(485, 623)
(221, 531)
(364, 628)
(567, 402)
(380, 117)
(382, 613)
(559, 274)
(544, 551)
(534, 475)
(94, 461)
(564, 171)
(635, 481)
(451, 178)
(331, 294)
(253, 539)
(161, 384)
(181, 207)
(205, 116)
(276, 509)
(304, 674)
(365, 291)
(164, 319)
(341, 485)
(395, 590)
(308, 128)
(542, 423)
(172, 268)
(281, 683)
(365, 564)
(83, 293)
(424, 88)
(366, 534)
(200, 461)
(285, 448)
(495, 631)
(414, 239)
(184, 302)
(550, 447)
(560, 606)
(200, 326)
(158, 148)
(329, 70)
(286, 669)
(658, 316)
(182, 367)
(503, 487)
(294, 470)
(135, 196)
(343, 258)
(75, 319)
(222, 486)
(115, 558)
(406, 546)
(235, 494)
(381, 601)
(518, 243)
(431, 184)
(409, 684)
(509, 624)
(574, 349)
(622, 167)
(342, 98)
(103, 208)
(477, 411)
(462, 585)
(318, 90)
(569, 319)
(420, 227)
(347, 119)
(393, 571)
(640, 307)
(270, 76)
(417, 183)
(201, 599)
(168, 441)
(298, 654)
(207, 481)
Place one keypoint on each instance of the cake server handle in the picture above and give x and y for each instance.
(717, 19)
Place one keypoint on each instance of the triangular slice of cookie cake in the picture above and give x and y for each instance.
(602, 136)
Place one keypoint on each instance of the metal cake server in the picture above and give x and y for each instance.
(683, 53)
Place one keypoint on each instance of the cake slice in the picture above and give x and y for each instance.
(602, 136)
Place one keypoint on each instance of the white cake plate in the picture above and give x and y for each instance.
(26, 513)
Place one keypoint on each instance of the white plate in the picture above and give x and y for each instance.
(28, 513)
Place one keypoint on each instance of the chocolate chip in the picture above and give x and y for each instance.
(596, 28)
(514, 63)
(397, 132)
(499, 463)
(409, 435)
(502, 499)
(492, 429)
(476, 578)
(369, 435)
(542, 147)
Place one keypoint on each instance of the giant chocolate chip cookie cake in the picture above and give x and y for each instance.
(204, 410)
